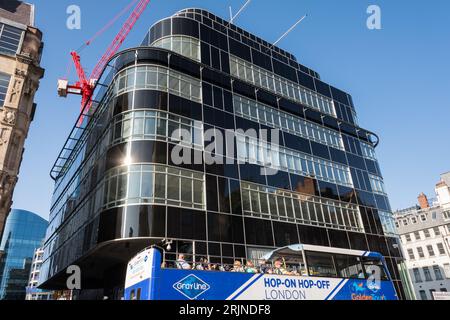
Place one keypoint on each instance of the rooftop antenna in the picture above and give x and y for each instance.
(289, 31)
(239, 12)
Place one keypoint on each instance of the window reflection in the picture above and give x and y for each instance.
(250, 150)
(156, 125)
(263, 114)
(157, 78)
(281, 205)
(154, 184)
(184, 45)
(262, 78)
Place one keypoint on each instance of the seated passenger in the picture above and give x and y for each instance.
(361, 275)
(263, 266)
(202, 265)
(295, 272)
(250, 267)
(182, 264)
(212, 267)
(279, 269)
(237, 267)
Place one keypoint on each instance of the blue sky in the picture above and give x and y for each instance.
(398, 77)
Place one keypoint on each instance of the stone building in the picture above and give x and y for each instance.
(425, 236)
(20, 72)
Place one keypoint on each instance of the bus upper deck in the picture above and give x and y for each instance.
(298, 272)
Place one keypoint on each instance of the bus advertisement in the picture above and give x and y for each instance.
(146, 279)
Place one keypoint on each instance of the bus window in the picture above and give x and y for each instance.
(294, 264)
(375, 267)
(349, 267)
(138, 297)
(320, 264)
(132, 295)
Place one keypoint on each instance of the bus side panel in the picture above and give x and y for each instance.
(355, 289)
(200, 285)
(142, 276)
(140, 291)
(175, 284)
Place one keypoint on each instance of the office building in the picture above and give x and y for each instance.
(24, 232)
(20, 72)
(33, 292)
(119, 188)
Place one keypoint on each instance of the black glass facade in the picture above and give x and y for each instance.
(120, 190)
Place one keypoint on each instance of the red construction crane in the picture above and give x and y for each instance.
(85, 86)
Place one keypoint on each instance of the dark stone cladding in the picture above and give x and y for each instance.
(221, 227)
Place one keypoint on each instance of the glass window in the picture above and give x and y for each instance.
(436, 231)
(427, 233)
(122, 187)
(427, 273)
(320, 264)
(278, 85)
(134, 185)
(437, 273)
(186, 190)
(138, 126)
(4, 85)
(430, 251)
(420, 252)
(407, 238)
(447, 270)
(411, 254)
(441, 249)
(417, 276)
(160, 186)
(423, 295)
(10, 38)
(349, 267)
(417, 235)
(304, 209)
(173, 187)
(184, 45)
(147, 185)
(198, 192)
(375, 267)
(150, 126)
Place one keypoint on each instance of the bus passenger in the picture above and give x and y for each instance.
(202, 265)
(181, 263)
(237, 267)
(212, 267)
(250, 267)
(263, 266)
(279, 269)
(361, 274)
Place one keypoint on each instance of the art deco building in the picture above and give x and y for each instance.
(118, 188)
(20, 55)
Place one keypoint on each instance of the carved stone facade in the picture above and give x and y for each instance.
(16, 114)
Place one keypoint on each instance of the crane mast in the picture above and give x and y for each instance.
(85, 86)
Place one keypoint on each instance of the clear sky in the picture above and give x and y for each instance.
(398, 77)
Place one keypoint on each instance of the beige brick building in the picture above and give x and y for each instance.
(20, 72)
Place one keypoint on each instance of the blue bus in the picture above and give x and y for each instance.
(297, 272)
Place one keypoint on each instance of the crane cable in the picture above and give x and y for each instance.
(98, 34)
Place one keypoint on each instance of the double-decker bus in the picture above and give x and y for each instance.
(297, 272)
